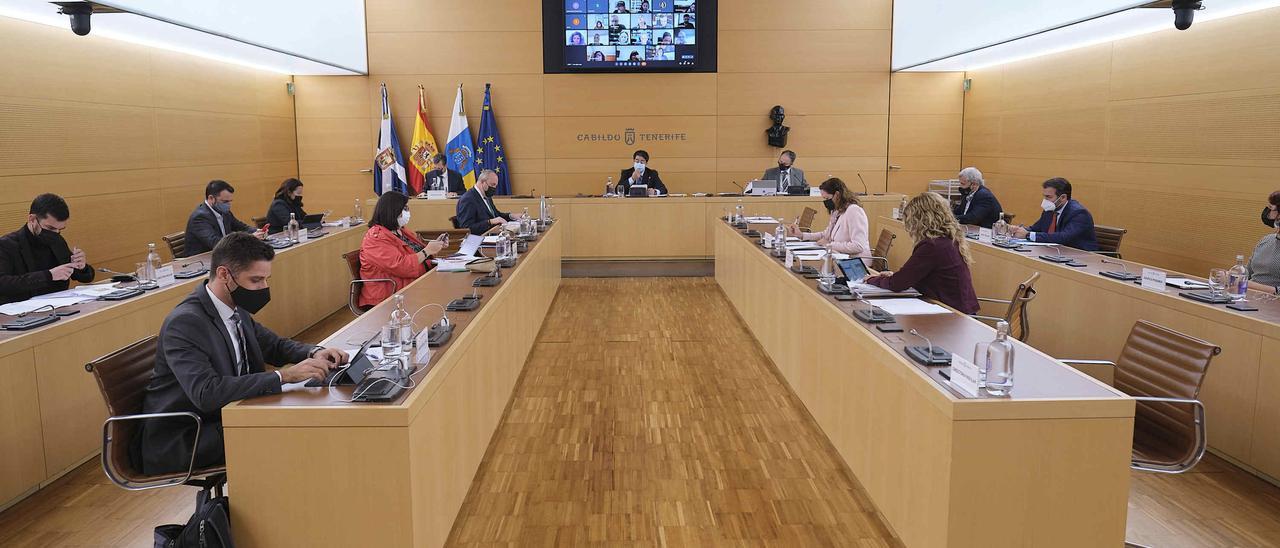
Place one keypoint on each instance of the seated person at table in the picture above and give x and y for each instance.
(212, 352)
(785, 174)
(212, 219)
(939, 264)
(476, 210)
(391, 251)
(640, 174)
(434, 181)
(978, 206)
(288, 200)
(35, 260)
(846, 230)
(1064, 220)
(1264, 264)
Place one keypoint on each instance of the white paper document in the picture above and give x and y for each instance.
(46, 303)
(1186, 283)
(816, 255)
(468, 248)
(910, 307)
(95, 291)
(491, 239)
(762, 220)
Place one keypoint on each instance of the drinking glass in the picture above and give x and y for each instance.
(1217, 281)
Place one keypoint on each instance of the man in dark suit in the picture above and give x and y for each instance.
(212, 219)
(35, 259)
(786, 174)
(1064, 221)
(978, 206)
(476, 210)
(433, 178)
(640, 174)
(211, 352)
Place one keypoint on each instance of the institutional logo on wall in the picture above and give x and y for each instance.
(630, 136)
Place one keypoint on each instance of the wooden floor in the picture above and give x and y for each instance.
(647, 416)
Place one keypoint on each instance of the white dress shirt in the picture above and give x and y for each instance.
(228, 316)
(217, 216)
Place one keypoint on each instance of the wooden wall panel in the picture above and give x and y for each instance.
(925, 129)
(1182, 154)
(129, 135)
(826, 61)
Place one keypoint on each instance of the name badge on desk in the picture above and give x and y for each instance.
(1153, 279)
(437, 195)
(768, 240)
(164, 276)
(965, 375)
(302, 236)
(815, 191)
(984, 235)
(423, 354)
(791, 258)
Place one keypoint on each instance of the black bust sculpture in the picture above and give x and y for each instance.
(778, 132)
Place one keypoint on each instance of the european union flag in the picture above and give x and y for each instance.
(489, 153)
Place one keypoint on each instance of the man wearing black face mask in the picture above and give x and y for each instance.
(212, 219)
(476, 210)
(35, 260)
(786, 174)
(211, 352)
(978, 206)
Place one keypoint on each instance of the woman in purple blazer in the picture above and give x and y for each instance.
(939, 263)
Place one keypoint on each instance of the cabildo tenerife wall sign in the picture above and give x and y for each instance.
(630, 136)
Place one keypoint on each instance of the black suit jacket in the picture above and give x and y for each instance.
(278, 214)
(455, 181)
(203, 232)
(649, 177)
(474, 215)
(195, 372)
(984, 209)
(22, 277)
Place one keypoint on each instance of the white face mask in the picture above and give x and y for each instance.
(403, 219)
(639, 166)
(1047, 205)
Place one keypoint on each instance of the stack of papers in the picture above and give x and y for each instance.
(43, 302)
(910, 307)
(814, 255)
(762, 220)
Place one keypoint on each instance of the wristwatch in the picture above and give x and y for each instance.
(313, 352)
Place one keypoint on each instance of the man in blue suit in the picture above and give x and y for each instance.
(1064, 221)
(476, 210)
(978, 206)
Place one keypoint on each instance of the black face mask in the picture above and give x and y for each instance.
(783, 166)
(966, 191)
(1266, 220)
(251, 300)
(298, 201)
(50, 238)
(491, 192)
(831, 204)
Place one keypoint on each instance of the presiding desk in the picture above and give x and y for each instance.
(1080, 314)
(1048, 466)
(51, 410)
(307, 468)
(657, 228)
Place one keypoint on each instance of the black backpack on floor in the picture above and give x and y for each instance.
(209, 526)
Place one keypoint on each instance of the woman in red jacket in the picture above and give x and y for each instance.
(391, 250)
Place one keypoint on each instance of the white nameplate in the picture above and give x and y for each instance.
(423, 354)
(437, 194)
(984, 235)
(302, 236)
(791, 258)
(346, 222)
(815, 191)
(164, 276)
(897, 215)
(965, 375)
(1153, 279)
(768, 240)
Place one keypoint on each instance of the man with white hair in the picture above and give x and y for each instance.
(978, 206)
(476, 210)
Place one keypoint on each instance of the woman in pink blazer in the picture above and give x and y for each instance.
(847, 229)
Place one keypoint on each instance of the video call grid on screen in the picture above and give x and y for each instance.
(630, 33)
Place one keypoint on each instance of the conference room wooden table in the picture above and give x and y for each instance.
(310, 468)
(51, 410)
(1078, 313)
(660, 228)
(1046, 466)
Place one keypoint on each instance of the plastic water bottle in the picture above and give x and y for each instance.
(1238, 280)
(779, 237)
(542, 210)
(292, 230)
(358, 216)
(902, 209)
(827, 274)
(399, 330)
(999, 366)
(153, 263)
(739, 213)
(1000, 230)
(608, 187)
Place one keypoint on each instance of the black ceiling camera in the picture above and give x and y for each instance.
(1184, 11)
(80, 12)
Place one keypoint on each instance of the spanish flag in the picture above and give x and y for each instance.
(423, 146)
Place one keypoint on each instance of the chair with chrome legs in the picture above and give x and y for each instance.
(353, 294)
(1016, 314)
(122, 378)
(1162, 370)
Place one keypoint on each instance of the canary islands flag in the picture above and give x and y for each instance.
(489, 154)
(422, 147)
(388, 162)
(459, 149)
